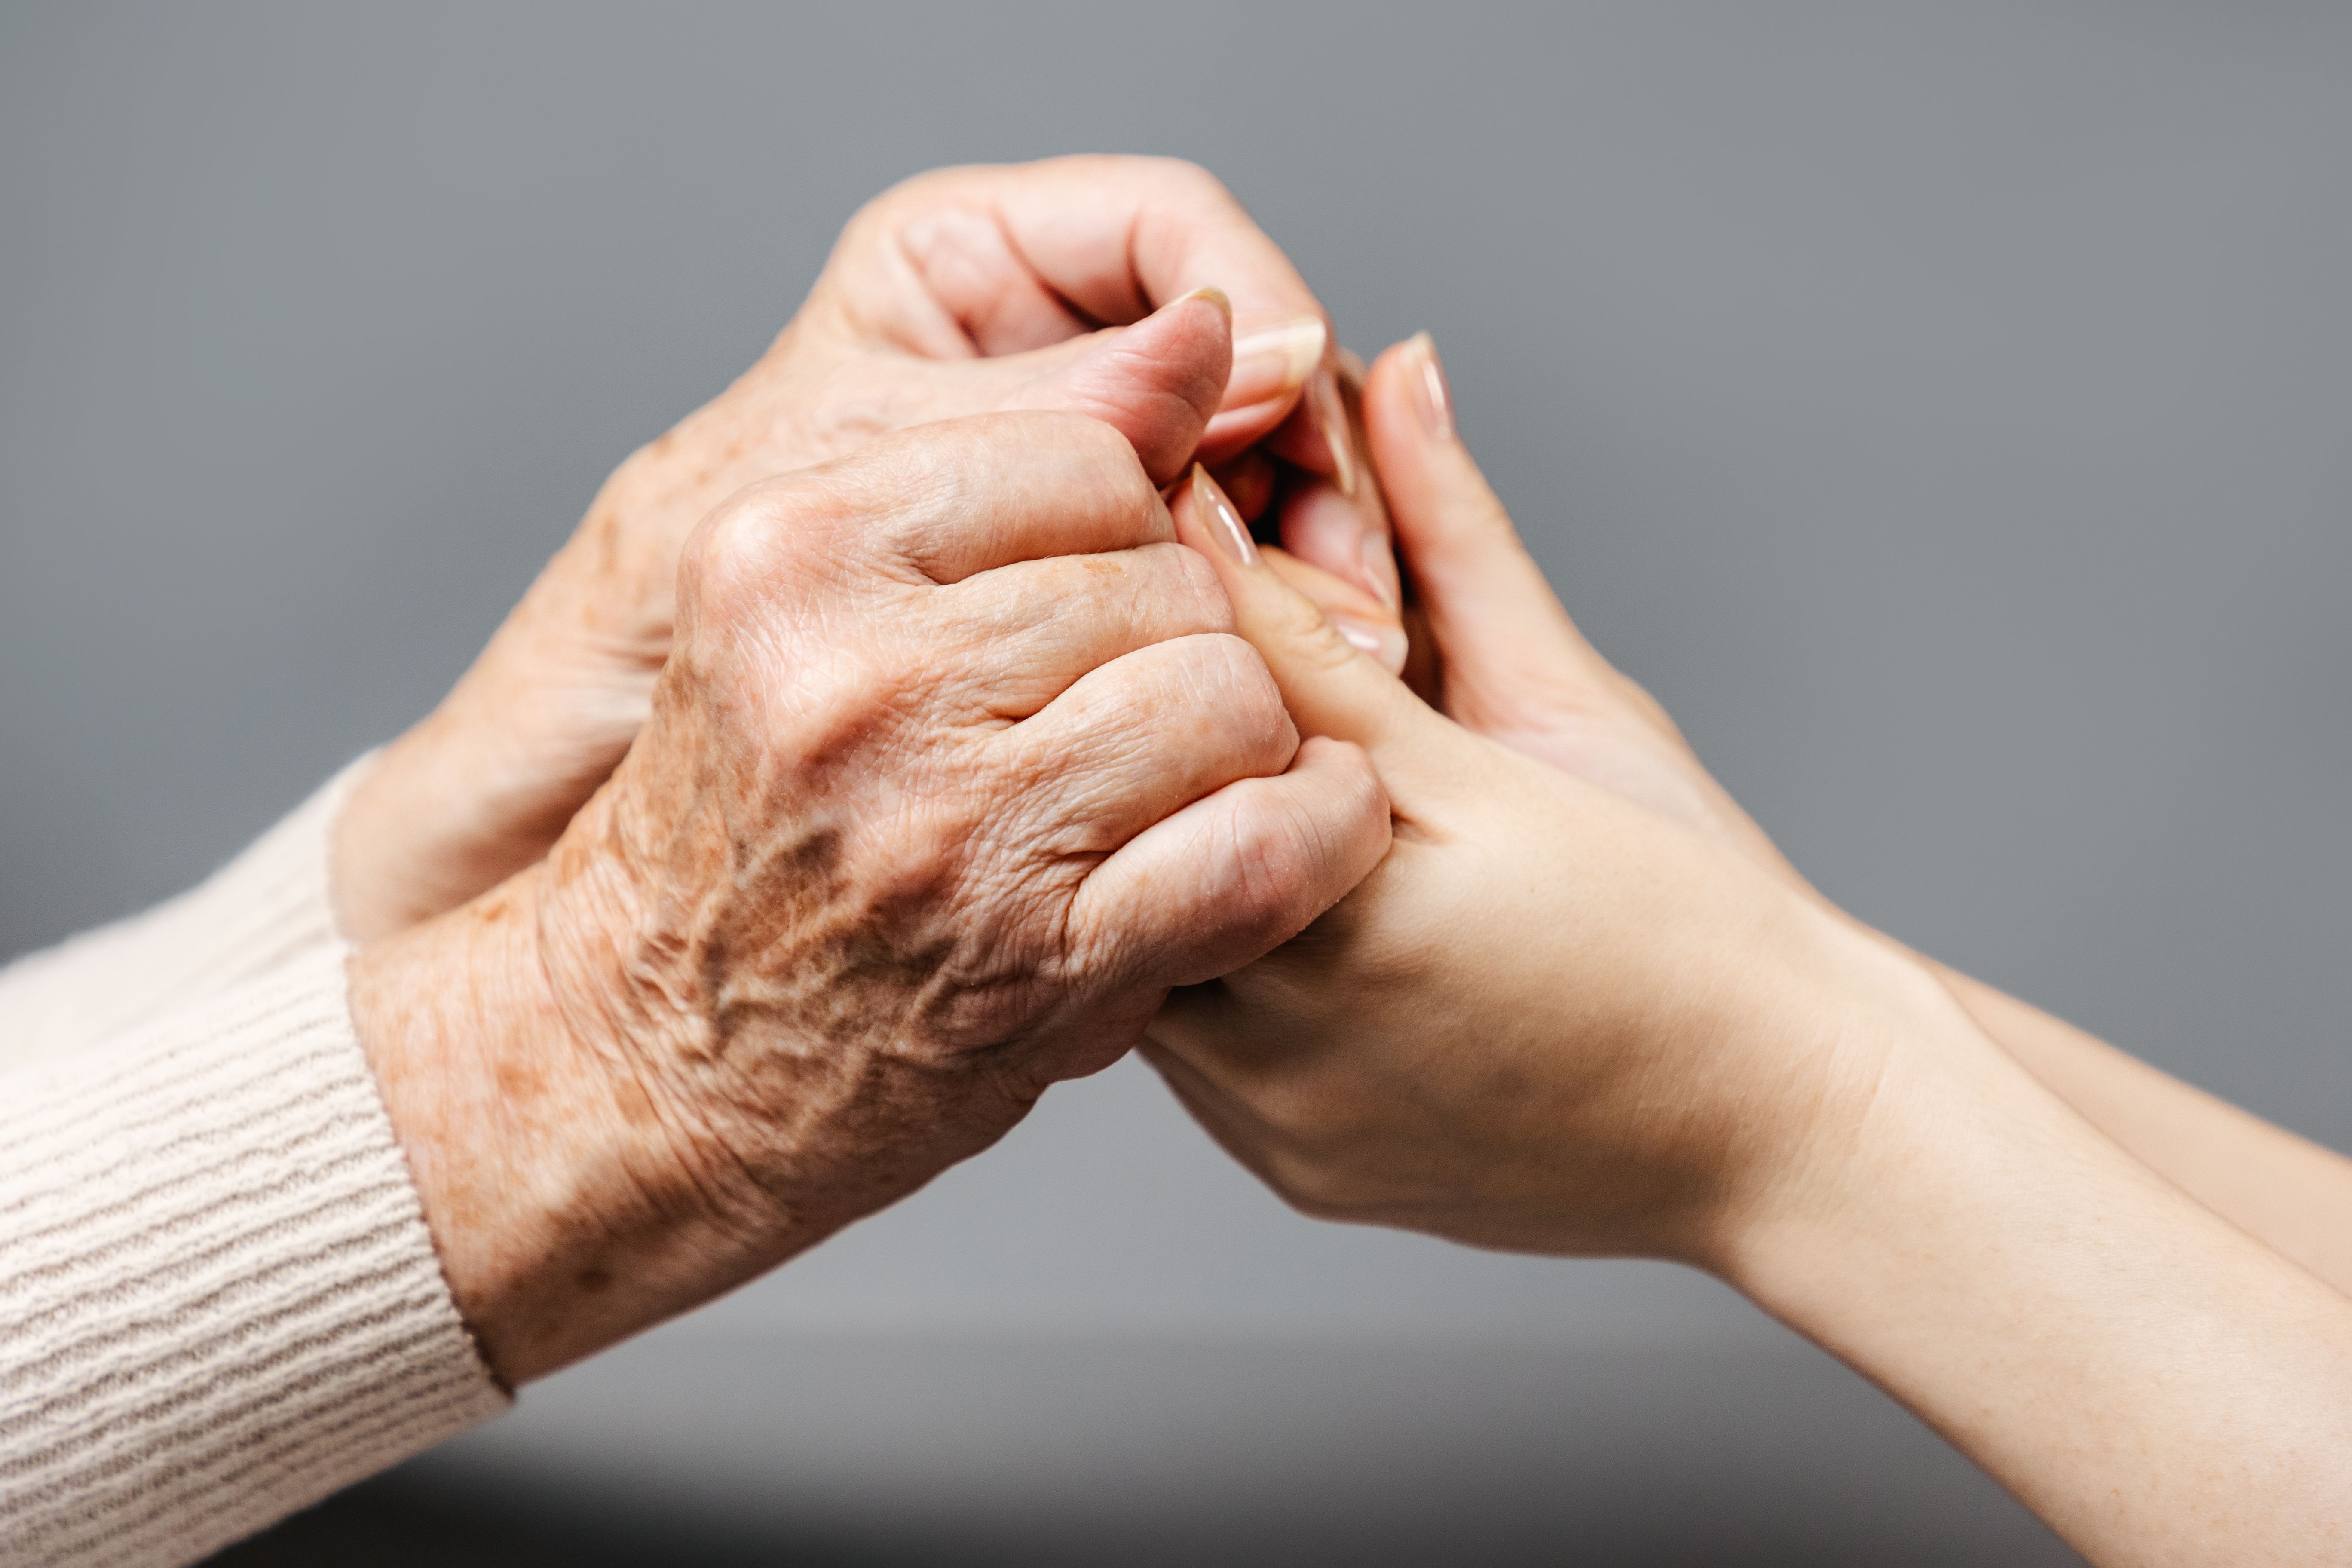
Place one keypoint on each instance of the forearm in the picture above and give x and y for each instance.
(2286, 1191)
(2159, 1387)
(219, 1302)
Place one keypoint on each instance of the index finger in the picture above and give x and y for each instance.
(939, 503)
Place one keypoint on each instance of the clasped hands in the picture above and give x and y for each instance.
(918, 725)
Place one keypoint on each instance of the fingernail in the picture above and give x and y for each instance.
(1224, 524)
(1431, 399)
(1215, 296)
(1383, 643)
(1274, 359)
(1381, 571)
(1330, 416)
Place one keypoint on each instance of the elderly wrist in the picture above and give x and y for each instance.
(561, 1219)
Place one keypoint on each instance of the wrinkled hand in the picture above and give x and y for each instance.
(961, 291)
(955, 770)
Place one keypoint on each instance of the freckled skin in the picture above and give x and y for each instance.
(945, 785)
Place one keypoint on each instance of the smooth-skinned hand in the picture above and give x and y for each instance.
(1583, 1007)
(955, 770)
(1555, 1018)
(1073, 284)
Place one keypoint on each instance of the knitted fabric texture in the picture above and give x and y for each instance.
(218, 1298)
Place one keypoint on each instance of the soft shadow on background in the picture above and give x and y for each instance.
(1942, 409)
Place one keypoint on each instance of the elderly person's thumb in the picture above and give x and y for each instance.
(1159, 381)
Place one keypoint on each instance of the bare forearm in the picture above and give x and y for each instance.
(2285, 1191)
(2159, 1386)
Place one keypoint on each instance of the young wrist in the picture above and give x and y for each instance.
(1898, 1076)
(1945, 1114)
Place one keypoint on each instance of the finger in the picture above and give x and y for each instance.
(1330, 686)
(1249, 480)
(1341, 524)
(939, 502)
(1364, 621)
(1144, 736)
(1010, 641)
(1157, 383)
(1272, 356)
(1234, 876)
(1492, 614)
(991, 260)
(1346, 539)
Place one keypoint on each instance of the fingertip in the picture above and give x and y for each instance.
(1445, 513)
(1157, 383)
(1330, 685)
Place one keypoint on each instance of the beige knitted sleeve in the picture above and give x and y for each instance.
(264, 909)
(218, 1300)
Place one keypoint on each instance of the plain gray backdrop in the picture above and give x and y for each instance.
(1943, 409)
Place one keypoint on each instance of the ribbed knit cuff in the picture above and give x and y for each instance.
(263, 909)
(218, 1298)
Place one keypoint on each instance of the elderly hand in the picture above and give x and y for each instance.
(955, 770)
(961, 291)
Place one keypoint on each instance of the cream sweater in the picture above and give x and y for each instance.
(218, 1300)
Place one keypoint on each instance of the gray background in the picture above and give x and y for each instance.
(1942, 408)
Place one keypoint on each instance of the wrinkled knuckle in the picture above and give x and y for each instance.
(1183, 576)
(1230, 675)
(737, 547)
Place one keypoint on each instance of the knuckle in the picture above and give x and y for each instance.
(736, 546)
(1226, 672)
(1187, 578)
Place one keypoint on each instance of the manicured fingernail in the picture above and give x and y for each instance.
(1383, 643)
(1224, 524)
(1431, 399)
(1381, 571)
(1215, 296)
(1330, 416)
(1274, 359)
